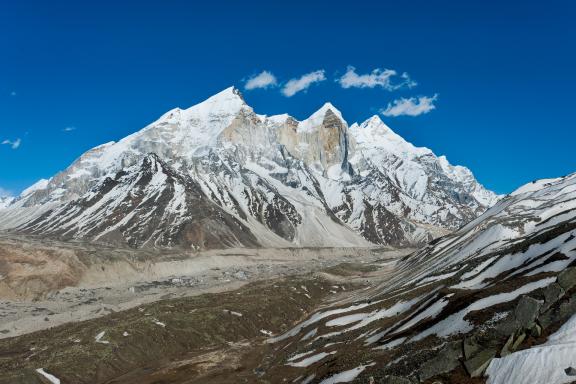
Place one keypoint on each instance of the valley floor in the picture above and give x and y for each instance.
(184, 319)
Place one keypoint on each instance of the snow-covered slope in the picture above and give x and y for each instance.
(5, 201)
(544, 364)
(146, 204)
(333, 184)
(494, 286)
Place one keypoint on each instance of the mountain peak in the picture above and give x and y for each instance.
(374, 133)
(376, 123)
(375, 119)
(317, 117)
(231, 91)
(328, 106)
(229, 100)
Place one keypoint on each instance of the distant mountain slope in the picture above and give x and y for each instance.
(315, 182)
(146, 204)
(5, 201)
(494, 286)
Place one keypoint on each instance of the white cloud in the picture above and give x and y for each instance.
(264, 79)
(293, 86)
(410, 107)
(384, 78)
(69, 129)
(13, 144)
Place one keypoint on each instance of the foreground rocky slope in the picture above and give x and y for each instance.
(219, 175)
(458, 307)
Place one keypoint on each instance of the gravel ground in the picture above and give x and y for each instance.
(100, 281)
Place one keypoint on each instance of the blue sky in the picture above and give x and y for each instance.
(76, 74)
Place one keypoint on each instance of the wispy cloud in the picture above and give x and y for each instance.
(69, 129)
(264, 79)
(13, 93)
(410, 107)
(13, 144)
(385, 78)
(293, 86)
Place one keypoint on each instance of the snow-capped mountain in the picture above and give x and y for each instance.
(272, 181)
(5, 201)
(468, 300)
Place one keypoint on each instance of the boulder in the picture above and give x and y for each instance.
(552, 294)
(506, 349)
(570, 371)
(536, 330)
(447, 359)
(470, 347)
(567, 278)
(518, 341)
(507, 326)
(527, 310)
(395, 380)
(478, 364)
(559, 314)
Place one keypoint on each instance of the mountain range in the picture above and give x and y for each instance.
(219, 175)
